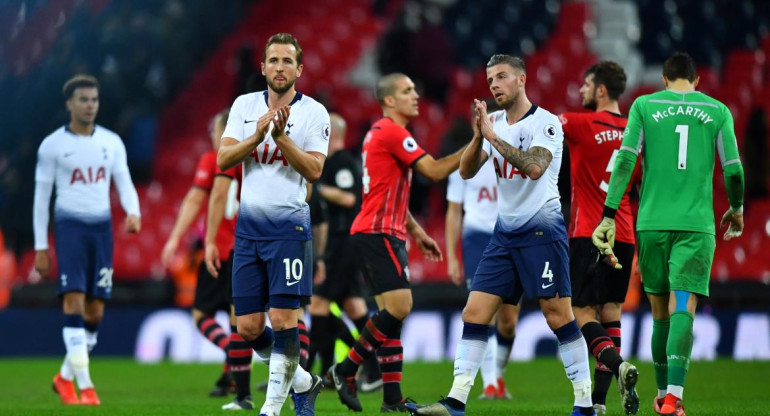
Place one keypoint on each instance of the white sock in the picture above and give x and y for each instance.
(503, 356)
(468, 359)
(574, 355)
(489, 372)
(302, 381)
(77, 355)
(661, 393)
(278, 383)
(677, 391)
(91, 339)
(68, 373)
(263, 356)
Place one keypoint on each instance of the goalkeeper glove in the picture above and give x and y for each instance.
(603, 238)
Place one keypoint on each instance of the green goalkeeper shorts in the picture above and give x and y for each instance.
(676, 260)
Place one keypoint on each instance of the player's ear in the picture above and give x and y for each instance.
(299, 70)
(389, 101)
(695, 83)
(262, 66)
(665, 82)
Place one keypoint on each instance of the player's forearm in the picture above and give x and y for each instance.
(191, 205)
(621, 175)
(320, 238)
(446, 165)
(413, 227)
(472, 158)
(232, 154)
(129, 199)
(452, 229)
(337, 196)
(734, 184)
(307, 164)
(216, 208)
(40, 214)
(532, 162)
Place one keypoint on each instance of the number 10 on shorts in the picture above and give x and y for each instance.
(293, 271)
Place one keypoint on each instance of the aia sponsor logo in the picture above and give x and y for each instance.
(268, 156)
(88, 175)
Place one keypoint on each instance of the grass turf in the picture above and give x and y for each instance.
(539, 388)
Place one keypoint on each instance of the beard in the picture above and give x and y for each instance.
(280, 90)
(508, 102)
(590, 103)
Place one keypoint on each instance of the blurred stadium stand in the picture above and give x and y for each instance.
(167, 67)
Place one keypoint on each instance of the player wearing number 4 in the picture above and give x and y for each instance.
(677, 131)
(80, 159)
(598, 290)
(281, 137)
(528, 250)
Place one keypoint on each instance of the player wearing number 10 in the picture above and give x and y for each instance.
(678, 131)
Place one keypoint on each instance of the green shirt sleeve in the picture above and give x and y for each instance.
(727, 148)
(633, 140)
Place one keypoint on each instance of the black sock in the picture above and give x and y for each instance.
(304, 344)
(391, 358)
(376, 331)
(601, 346)
(239, 360)
(602, 382)
(321, 342)
(371, 366)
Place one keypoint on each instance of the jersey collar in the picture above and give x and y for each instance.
(67, 129)
(297, 97)
(529, 113)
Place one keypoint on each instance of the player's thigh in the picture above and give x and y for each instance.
(654, 250)
(100, 267)
(692, 254)
(497, 275)
(584, 264)
(211, 292)
(72, 256)
(616, 281)
(250, 284)
(289, 269)
(474, 243)
(382, 260)
(544, 269)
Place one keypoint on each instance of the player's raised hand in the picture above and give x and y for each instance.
(454, 270)
(211, 257)
(319, 272)
(484, 123)
(279, 123)
(734, 222)
(603, 238)
(429, 248)
(263, 123)
(42, 262)
(133, 224)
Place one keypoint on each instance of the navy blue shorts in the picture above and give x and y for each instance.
(84, 254)
(271, 274)
(474, 244)
(540, 271)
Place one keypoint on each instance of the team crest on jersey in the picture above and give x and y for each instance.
(550, 131)
(344, 179)
(327, 131)
(410, 145)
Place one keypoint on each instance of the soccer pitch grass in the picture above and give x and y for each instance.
(538, 387)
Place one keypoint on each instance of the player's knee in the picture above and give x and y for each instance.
(507, 327)
(79, 359)
(74, 303)
(473, 314)
(249, 330)
(400, 310)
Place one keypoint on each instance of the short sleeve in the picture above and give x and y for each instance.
(234, 127)
(204, 173)
(120, 164)
(455, 188)
(569, 126)
(403, 146)
(45, 170)
(319, 130)
(633, 136)
(547, 134)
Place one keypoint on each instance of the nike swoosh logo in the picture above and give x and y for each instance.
(547, 286)
(69, 154)
(292, 283)
(248, 121)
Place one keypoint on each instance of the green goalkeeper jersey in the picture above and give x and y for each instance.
(678, 135)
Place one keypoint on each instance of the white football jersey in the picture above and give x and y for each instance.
(81, 168)
(527, 206)
(273, 193)
(478, 196)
